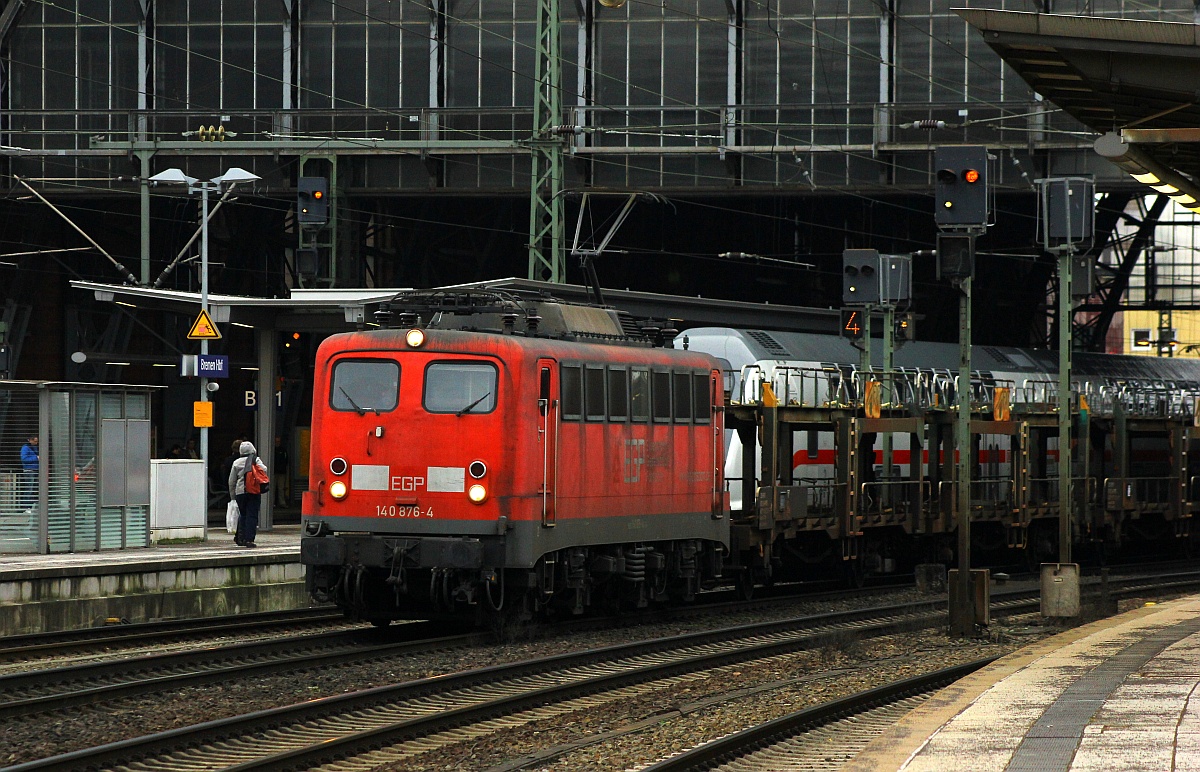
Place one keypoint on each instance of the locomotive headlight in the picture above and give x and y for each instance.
(477, 469)
(337, 489)
(415, 338)
(477, 493)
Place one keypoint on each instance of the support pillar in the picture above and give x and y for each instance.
(264, 436)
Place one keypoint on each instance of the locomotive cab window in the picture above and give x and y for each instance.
(661, 400)
(618, 394)
(593, 392)
(682, 384)
(362, 385)
(702, 398)
(571, 384)
(639, 394)
(460, 387)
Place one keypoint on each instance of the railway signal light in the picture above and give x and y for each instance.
(852, 326)
(961, 186)
(860, 276)
(312, 204)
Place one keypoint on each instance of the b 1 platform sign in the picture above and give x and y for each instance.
(202, 415)
(203, 328)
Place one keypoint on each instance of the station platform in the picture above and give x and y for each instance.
(1116, 694)
(214, 577)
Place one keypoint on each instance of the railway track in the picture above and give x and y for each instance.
(421, 711)
(823, 737)
(36, 691)
(19, 648)
(386, 724)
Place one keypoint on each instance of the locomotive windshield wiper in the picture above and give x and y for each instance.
(467, 409)
(353, 404)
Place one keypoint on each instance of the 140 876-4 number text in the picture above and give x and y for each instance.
(402, 510)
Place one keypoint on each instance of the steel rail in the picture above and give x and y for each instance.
(740, 745)
(37, 691)
(36, 644)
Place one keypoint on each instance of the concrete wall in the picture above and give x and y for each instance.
(65, 598)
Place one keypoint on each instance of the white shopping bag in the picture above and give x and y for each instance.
(231, 517)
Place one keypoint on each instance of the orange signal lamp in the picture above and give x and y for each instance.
(319, 195)
(971, 175)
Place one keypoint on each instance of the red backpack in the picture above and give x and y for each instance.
(257, 481)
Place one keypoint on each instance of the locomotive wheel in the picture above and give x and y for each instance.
(380, 623)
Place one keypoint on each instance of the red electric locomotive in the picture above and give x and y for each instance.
(498, 453)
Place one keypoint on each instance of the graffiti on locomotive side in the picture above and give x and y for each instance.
(646, 460)
(635, 459)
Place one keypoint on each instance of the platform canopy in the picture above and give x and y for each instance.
(1136, 78)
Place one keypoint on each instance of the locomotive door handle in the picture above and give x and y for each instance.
(321, 492)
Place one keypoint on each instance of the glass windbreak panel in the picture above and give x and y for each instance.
(701, 398)
(361, 385)
(56, 457)
(572, 393)
(137, 406)
(85, 438)
(593, 387)
(662, 396)
(683, 396)
(112, 405)
(639, 394)
(618, 394)
(460, 387)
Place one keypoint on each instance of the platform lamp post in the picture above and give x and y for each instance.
(232, 176)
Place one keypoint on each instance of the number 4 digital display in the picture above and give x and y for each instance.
(852, 323)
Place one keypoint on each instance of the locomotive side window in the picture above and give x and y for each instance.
(593, 392)
(618, 394)
(363, 385)
(571, 384)
(639, 394)
(702, 397)
(661, 397)
(682, 384)
(460, 387)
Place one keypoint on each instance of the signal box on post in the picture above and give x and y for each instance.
(312, 201)
(860, 277)
(961, 186)
(955, 255)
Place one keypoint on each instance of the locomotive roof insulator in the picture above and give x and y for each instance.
(510, 323)
(531, 322)
(409, 319)
(383, 317)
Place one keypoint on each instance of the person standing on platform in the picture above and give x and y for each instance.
(282, 486)
(29, 472)
(248, 503)
(190, 451)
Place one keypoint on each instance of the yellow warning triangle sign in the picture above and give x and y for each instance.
(203, 328)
